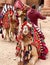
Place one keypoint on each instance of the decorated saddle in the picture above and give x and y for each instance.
(39, 42)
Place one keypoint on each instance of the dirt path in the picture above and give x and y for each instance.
(7, 53)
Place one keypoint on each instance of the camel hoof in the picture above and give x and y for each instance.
(20, 63)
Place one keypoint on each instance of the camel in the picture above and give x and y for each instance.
(29, 46)
(10, 21)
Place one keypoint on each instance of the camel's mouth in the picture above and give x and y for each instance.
(25, 32)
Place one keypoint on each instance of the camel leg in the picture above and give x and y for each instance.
(11, 35)
(4, 33)
(35, 56)
(7, 34)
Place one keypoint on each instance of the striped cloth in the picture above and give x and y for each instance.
(19, 4)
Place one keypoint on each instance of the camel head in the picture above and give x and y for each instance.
(26, 28)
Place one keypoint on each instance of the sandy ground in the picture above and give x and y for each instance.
(7, 49)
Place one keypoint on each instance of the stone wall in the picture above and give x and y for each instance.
(30, 2)
(2, 2)
(10, 1)
(46, 8)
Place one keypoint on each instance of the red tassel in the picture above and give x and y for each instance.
(43, 57)
(46, 50)
(18, 48)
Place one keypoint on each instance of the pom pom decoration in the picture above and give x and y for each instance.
(27, 24)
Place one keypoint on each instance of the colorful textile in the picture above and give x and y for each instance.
(19, 4)
(39, 42)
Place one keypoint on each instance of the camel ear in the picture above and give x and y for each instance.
(11, 7)
(8, 6)
(4, 9)
(30, 25)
